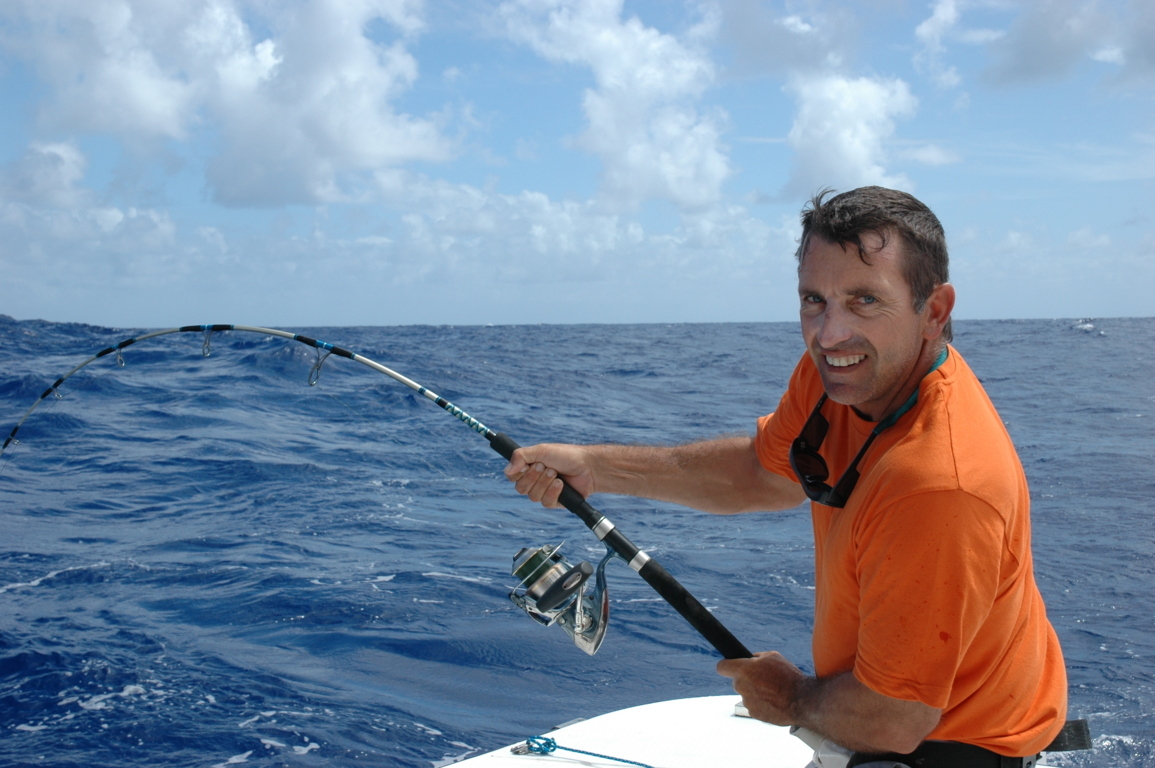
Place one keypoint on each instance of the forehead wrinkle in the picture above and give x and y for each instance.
(866, 290)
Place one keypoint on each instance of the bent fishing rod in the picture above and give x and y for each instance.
(551, 590)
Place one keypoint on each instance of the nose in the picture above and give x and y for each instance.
(834, 326)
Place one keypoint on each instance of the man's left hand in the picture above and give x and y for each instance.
(769, 686)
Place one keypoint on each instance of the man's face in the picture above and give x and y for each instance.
(859, 323)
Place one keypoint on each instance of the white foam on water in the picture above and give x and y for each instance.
(50, 575)
(471, 579)
(242, 758)
(100, 702)
(451, 759)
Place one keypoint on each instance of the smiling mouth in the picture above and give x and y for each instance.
(843, 362)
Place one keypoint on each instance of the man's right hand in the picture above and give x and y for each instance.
(535, 471)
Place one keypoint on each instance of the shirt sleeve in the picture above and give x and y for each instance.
(776, 431)
(929, 573)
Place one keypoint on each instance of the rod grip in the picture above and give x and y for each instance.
(503, 444)
(694, 612)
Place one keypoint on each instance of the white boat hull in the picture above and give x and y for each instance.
(683, 733)
(701, 732)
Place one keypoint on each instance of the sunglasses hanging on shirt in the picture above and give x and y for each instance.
(811, 468)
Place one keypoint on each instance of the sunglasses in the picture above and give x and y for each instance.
(811, 467)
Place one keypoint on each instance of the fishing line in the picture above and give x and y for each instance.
(56, 399)
(277, 373)
(606, 531)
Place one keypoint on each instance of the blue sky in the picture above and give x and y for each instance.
(378, 162)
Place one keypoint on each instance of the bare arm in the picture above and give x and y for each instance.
(840, 707)
(722, 476)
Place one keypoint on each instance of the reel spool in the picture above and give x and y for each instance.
(552, 591)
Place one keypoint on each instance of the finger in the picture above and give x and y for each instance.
(530, 479)
(550, 498)
(517, 465)
(729, 667)
(538, 481)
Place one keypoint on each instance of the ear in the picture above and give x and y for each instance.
(936, 313)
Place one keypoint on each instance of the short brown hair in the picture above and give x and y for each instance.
(844, 218)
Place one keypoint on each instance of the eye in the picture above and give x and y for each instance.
(868, 299)
(812, 298)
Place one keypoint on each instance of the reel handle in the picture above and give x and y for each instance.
(649, 569)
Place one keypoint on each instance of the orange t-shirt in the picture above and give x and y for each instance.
(924, 582)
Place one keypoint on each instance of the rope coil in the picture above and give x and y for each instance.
(543, 745)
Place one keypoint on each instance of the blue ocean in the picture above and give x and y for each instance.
(204, 561)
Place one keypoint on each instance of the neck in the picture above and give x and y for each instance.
(931, 357)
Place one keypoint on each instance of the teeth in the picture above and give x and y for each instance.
(842, 362)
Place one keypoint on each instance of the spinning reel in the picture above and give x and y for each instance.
(552, 591)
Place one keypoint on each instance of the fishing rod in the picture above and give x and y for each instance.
(551, 590)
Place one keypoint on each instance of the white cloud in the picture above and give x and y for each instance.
(57, 232)
(840, 131)
(945, 24)
(452, 253)
(931, 154)
(298, 115)
(1049, 38)
(106, 62)
(303, 115)
(1111, 54)
(642, 121)
(86, 246)
(443, 235)
(1073, 274)
(47, 175)
(1137, 51)
(1085, 239)
(980, 36)
(796, 24)
(1017, 242)
(213, 238)
(541, 240)
(930, 34)
(764, 42)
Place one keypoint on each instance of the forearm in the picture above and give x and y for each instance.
(839, 707)
(848, 713)
(722, 476)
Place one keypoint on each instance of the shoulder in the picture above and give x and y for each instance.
(955, 441)
(778, 429)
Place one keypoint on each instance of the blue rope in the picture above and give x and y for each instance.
(542, 745)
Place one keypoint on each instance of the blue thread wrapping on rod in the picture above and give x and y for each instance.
(543, 745)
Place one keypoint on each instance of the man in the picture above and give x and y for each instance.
(929, 627)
